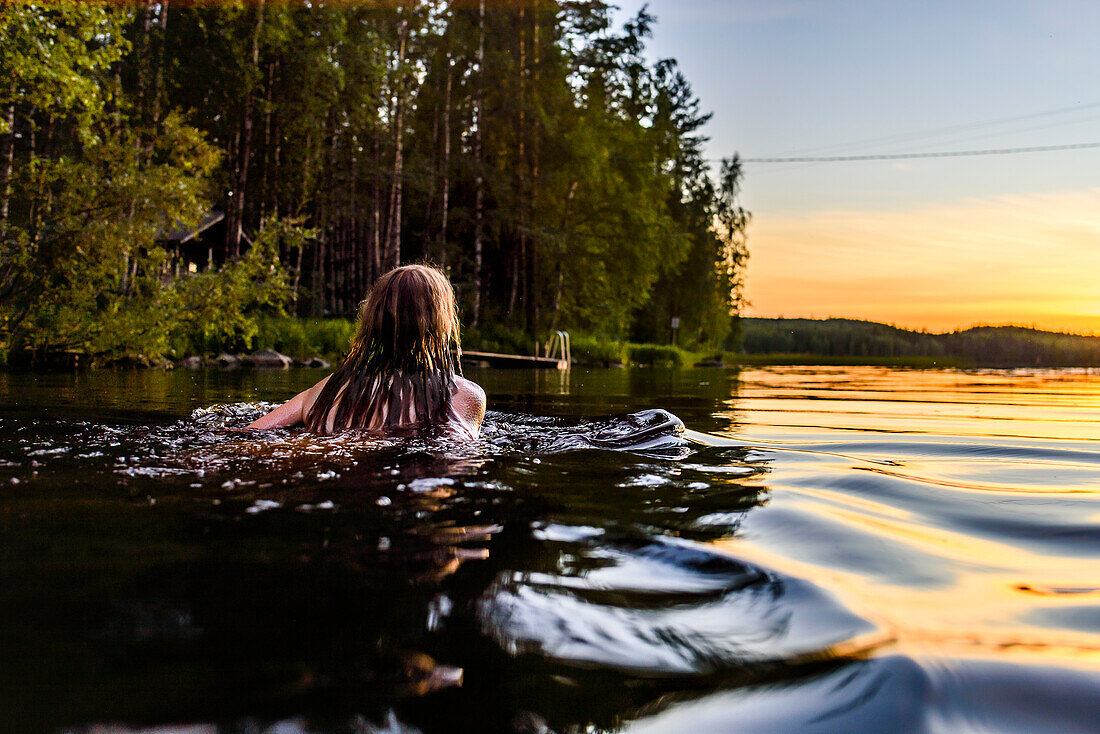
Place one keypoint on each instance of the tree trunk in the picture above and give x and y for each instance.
(445, 164)
(267, 176)
(303, 196)
(519, 255)
(145, 63)
(333, 215)
(559, 272)
(297, 279)
(426, 241)
(273, 176)
(355, 241)
(376, 216)
(317, 279)
(238, 205)
(32, 153)
(532, 247)
(479, 194)
(6, 168)
(513, 292)
(393, 225)
(158, 82)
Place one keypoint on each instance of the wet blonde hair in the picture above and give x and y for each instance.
(400, 370)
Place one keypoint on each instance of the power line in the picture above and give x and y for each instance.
(949, 129)
(905, 156)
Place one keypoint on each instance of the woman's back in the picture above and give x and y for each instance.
(401, 372)
(464, 414)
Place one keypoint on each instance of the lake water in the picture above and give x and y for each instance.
(812, 550)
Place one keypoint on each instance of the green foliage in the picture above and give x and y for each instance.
(83, 267)
(53, 57)
(287, 334)
(655, 355)
(733, 223)
(588, 350)
(864, 342)
(835, 337)
(218, 310)
(339, 138)
(575, 195)
(1011, 346)
(305, 338)
(498, 338)
(702, 289)
(618, 198)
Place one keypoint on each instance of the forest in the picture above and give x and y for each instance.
(172, 173)
(869, 342)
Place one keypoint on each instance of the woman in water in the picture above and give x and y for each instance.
(400, 372)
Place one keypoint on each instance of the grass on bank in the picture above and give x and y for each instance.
(588, 351)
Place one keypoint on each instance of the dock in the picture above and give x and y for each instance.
(515, 360)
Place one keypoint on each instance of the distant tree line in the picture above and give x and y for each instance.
(988, 346)
(168, 169)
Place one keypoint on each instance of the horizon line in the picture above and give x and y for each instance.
(928, 330)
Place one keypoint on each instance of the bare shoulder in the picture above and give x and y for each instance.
(469, 400)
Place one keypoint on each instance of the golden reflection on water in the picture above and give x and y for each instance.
(971, 618)
(1016, 443)
(1039, 403)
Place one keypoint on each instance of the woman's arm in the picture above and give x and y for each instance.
(292, 412)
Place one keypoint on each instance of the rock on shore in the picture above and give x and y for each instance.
(263, 359)
(225, 361)
(268, 359)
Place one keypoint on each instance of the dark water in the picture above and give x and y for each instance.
(820, 550)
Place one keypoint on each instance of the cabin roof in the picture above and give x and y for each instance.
(182, 234)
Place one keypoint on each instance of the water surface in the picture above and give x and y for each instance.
(786, 549)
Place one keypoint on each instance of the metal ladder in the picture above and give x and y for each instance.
(559, 342)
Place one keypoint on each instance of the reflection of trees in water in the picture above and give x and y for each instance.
(400, 528)
(325, 597)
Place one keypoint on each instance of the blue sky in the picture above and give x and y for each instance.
(797, 77)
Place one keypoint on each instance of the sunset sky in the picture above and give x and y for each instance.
(937, 243)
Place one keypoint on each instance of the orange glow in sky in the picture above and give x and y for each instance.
(938, 243)
(1030, 260)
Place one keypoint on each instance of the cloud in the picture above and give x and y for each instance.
(1030, 259)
